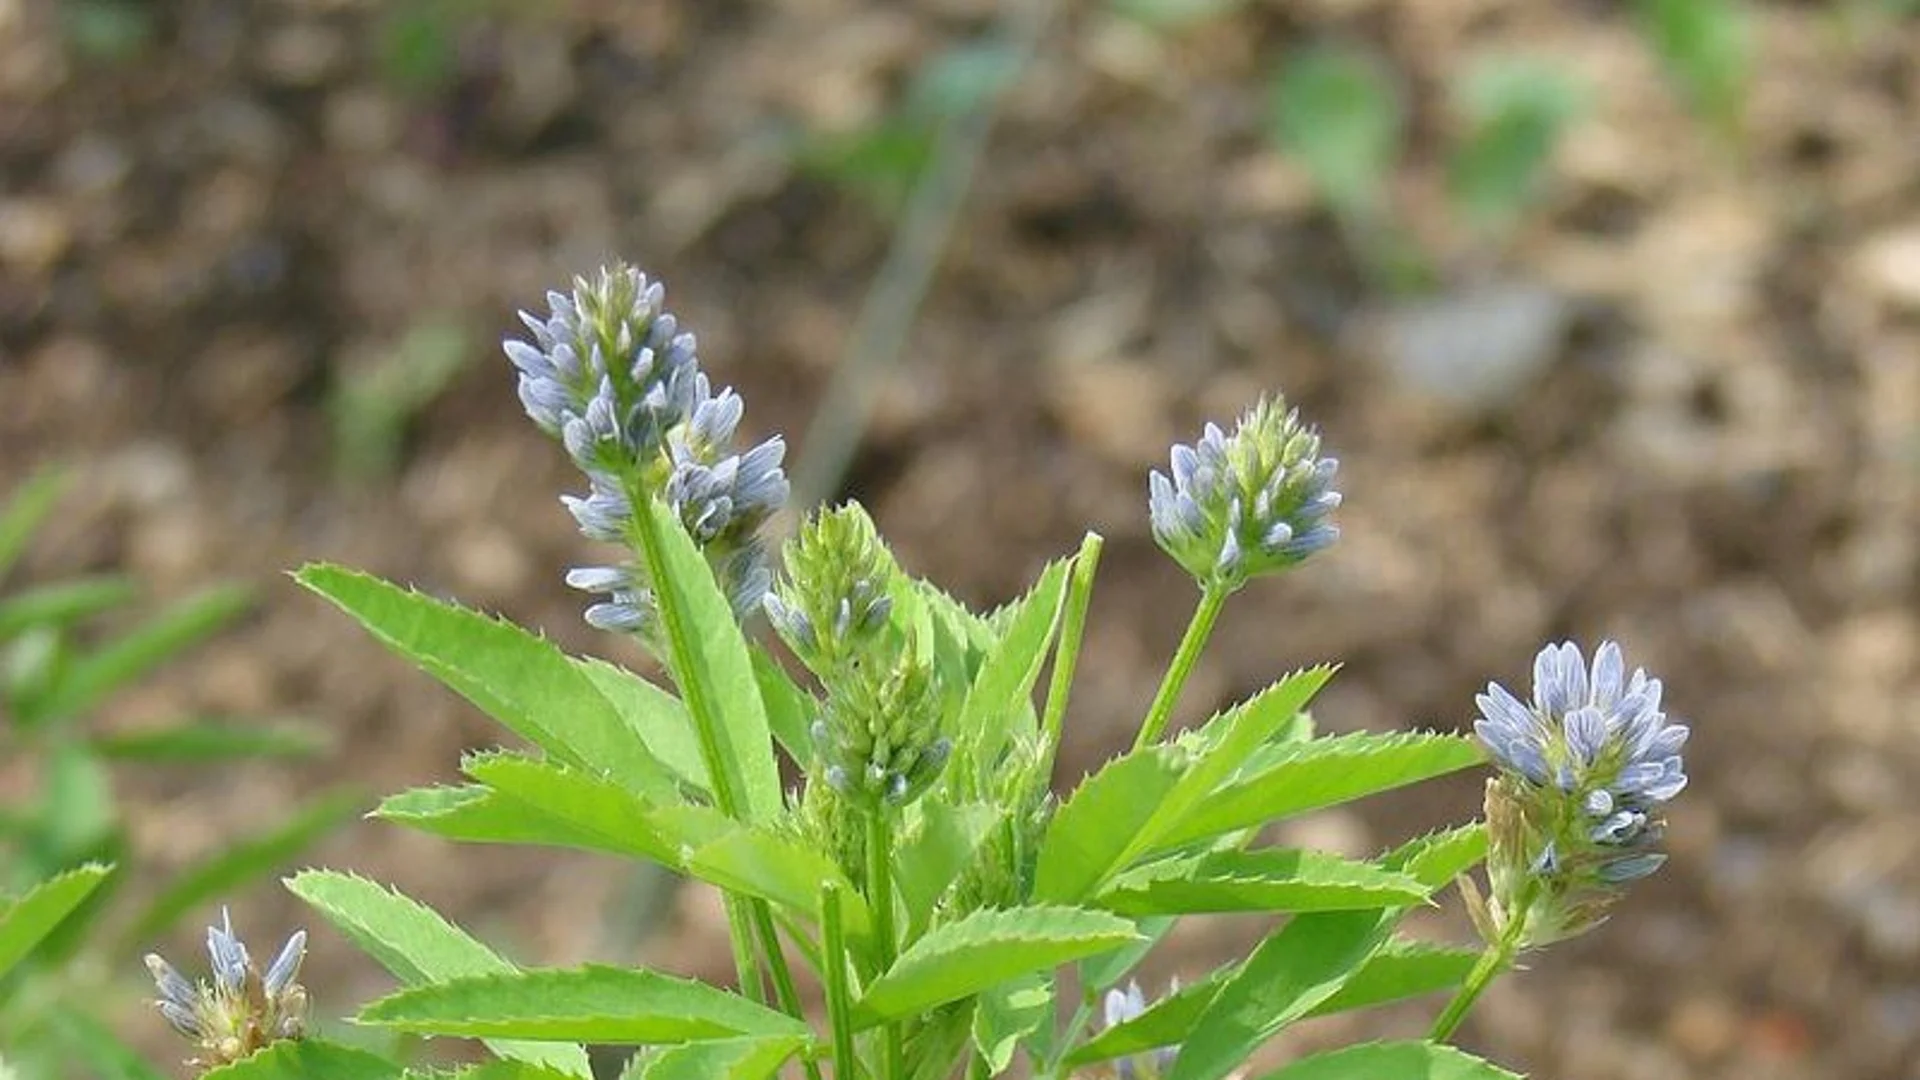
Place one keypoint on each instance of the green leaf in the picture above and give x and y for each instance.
(61, 604)
(90, 678)
(475, 813)
(1401, 969)
(1399, 1060)
(521, 680)
(1438, 858)
(308, 1059)
(1009, 1014)
(251, 858)
(657, 717)
(1002, 692)
(724, 1059)
(1707, 47)
(1093, 836)
(712, 664)
(984, 948)
(1126, 809)
(596, 814)
(492, 1070)
(790, 709)
(1321, 773)
(1296, 971)
(25, 921)
(1516, 110)
(1108, 969)
(932, 855)
(209, 740)
(24, 512)
(1274, 880)
(588, 1004)
(418, 946)
(1293, 971)
(1337, 112)
(762, 864)
(1165, 1022)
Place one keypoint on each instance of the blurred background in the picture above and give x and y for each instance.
(1610, 310)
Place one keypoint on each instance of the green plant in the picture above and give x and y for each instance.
(953, 912)
(371, 408)
(61, 933)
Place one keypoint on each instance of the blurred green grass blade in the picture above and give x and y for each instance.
(252, 858)
(372, 408)
(91, 1044)
(1335, 109)
(1707, 47)
(75, 815)
(1173, 14)
(24, 512)
(90, 678)
(28, 920)
(61, 604)
(210, 740)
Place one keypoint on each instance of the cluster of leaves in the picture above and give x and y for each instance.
(61, 939)
(994, 919)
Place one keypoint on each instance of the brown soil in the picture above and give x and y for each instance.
(1720, 465)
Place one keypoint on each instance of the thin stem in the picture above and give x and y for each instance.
(784, 989)
(1082, 1016)
(1493, 962)
(1212, 599)
(833, 968)
(880, 899)
(1066, 656)
(886, 316)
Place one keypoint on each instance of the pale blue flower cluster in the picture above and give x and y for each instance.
(1595, 737)
(241, 1010)
(609, 372)
(1240, 505)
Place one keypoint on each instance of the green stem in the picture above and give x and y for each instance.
(1212, 599)
(1494, 962)
(833, 967)
(784, 990)
(1066, 656)
(880, 900)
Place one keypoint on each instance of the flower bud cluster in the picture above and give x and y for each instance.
(609, 374)
(1237, 506)
(879, 735)
(1586, 770)
(241, 1010)
(834, 601)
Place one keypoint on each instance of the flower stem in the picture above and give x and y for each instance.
(880, 899)
(1212, 599)
(1493, 963)
(833, 965)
